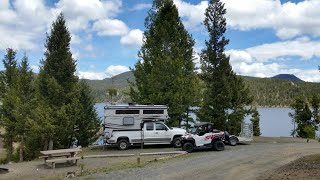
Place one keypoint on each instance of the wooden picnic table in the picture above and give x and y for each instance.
(71, 154)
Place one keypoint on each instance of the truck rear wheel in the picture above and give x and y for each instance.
(188, 147)
(218, 145)
(123, 144)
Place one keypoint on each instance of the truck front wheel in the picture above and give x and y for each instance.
(176, 142)
(123, 144)
(188, 147)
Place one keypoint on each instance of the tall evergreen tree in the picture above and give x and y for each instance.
(25, 103)
(58, 84)
(89, 122)
(9, 99)
(224, 91)
(165, 73)
(302, 118)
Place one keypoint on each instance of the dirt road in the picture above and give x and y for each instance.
(240, 162)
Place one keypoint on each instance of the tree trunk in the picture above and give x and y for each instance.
(50, 144)
(21, 149)
(10, 148)
(45, 147)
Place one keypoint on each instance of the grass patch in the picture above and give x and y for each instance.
(109, 169)
(121, 166)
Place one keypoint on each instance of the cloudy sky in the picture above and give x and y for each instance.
(267, 37)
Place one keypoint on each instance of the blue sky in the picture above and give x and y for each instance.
(267, 37)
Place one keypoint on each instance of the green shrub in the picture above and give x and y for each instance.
(309, 132)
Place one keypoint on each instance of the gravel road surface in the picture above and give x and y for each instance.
(240, 162)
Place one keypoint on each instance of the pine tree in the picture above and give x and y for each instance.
(315, 105)
(25, 103)
(89, 122)
(224, 91)
(165, 73)
(58, 85)
(240, 98)
(255, 120)
(9, 100)
(302, 118)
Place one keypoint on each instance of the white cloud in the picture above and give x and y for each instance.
(35, 68)
(91, 75)
(307, 75)
(141, 6)
(18, 39)
(193, 13)
(257, 69)
(22, 22)
(75, 39)
(301, 47)
(110, 27)
(26, 22)
(115, 70)
(109, 72)
(239, 56)
(256, 61)
(133, 38)
(287, 19)
(79, 12)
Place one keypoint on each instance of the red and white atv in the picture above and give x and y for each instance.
(203, 135)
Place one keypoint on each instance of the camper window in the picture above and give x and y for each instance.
(128, 121)
(149, 126)
(153, 111)
(127, 111)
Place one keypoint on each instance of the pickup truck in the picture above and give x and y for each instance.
(150, 133)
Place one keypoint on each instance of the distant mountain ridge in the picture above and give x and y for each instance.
(267, 92)
(290, 77)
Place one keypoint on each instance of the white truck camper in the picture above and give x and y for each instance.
(125, 125)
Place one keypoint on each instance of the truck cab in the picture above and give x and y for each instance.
(152, 133)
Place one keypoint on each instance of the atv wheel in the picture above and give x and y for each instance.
(233, 141)
(123, 144)
(218, 145)
(176, 142)
(188, 147)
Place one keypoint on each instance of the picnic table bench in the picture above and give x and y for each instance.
(69, 154)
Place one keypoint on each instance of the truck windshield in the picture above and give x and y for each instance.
(194, 130)
(169, 126)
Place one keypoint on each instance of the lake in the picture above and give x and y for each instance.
(274, 122)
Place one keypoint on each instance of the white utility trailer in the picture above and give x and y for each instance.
(246, 134)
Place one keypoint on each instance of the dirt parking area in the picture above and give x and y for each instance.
(241, 162)
(307, 167)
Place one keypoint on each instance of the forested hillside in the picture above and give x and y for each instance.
(266, 91)
(279, 93)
